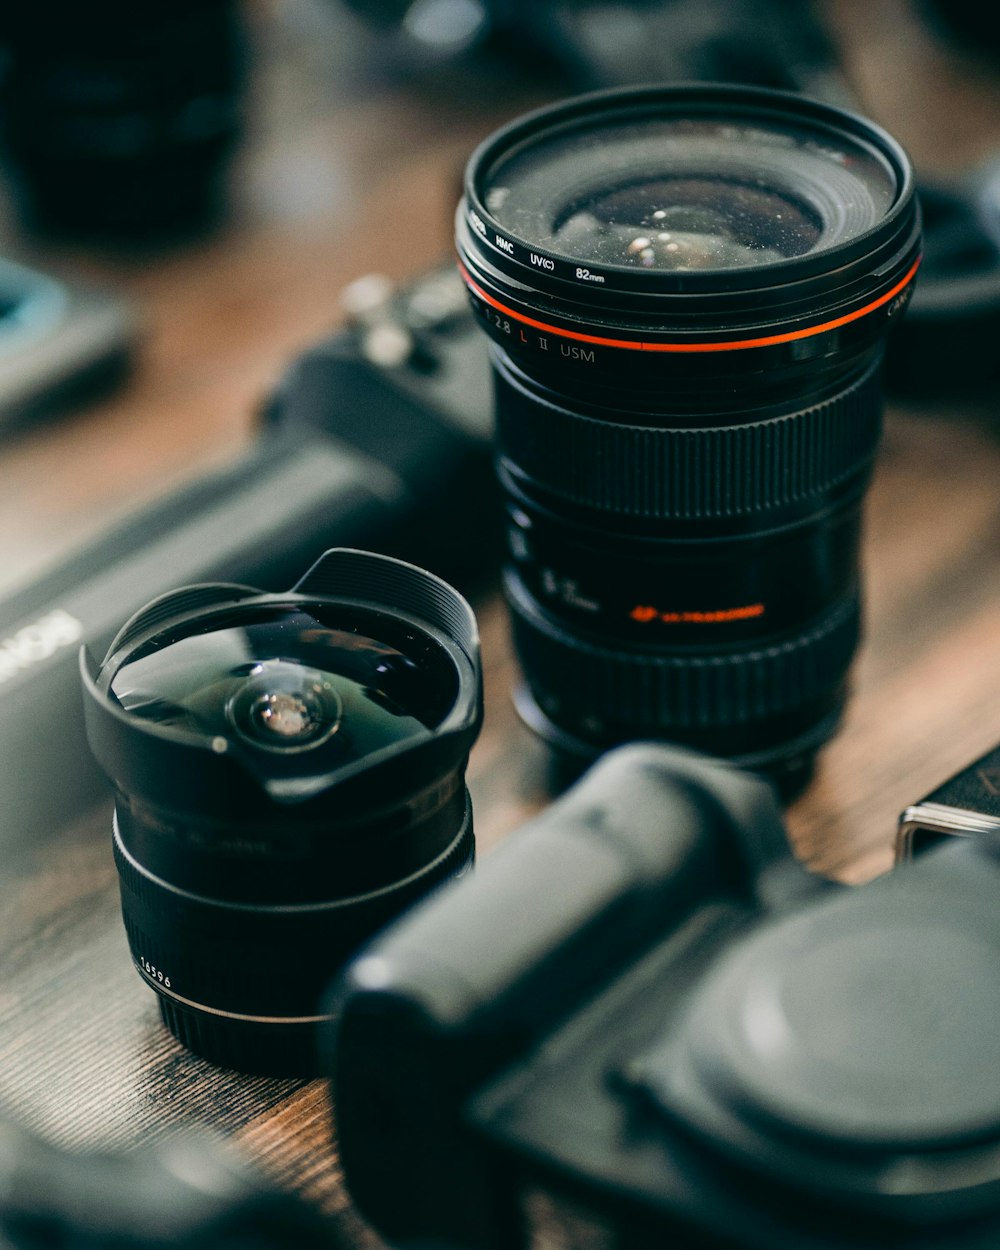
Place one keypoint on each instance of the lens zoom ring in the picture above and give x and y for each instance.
(674, 691)
(690, 474)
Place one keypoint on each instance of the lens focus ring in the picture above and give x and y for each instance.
(663, 692)
(688, 474)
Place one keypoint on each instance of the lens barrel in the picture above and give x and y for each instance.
(289, 777)
(687, 291)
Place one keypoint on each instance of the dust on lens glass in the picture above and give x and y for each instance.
(688, 223)
(689, 194)
(290, 681)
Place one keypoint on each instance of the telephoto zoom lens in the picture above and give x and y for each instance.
(289, 776)
(687, 291)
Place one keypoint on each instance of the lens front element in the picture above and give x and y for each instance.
(292, 678)
(685, 193)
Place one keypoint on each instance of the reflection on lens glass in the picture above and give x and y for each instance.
(670, 193)
(285, 707)
(688, 223)
(287, 681)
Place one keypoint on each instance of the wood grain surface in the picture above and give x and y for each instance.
(348, 170)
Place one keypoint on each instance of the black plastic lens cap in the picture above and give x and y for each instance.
(870, 1022)
(868, 1035)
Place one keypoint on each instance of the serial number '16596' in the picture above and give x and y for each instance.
(154, 973)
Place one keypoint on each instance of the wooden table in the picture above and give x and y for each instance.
(336, 157)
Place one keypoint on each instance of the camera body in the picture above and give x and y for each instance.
(658, 1028)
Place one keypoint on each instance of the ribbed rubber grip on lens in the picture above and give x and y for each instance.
(244, 1046)
(383, 581)
(653, 690)
(689, 473)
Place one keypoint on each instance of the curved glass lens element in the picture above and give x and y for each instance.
(294, 679)
(689, 193)
(285, 707)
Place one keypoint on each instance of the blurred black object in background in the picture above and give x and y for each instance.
(967, 805)
(969, 22)
(945, 346)
(191, 1194)
(117, 119)
(586, 44)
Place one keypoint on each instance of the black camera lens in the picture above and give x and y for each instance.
(687, 291)
(119, 120)
(289, 776)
